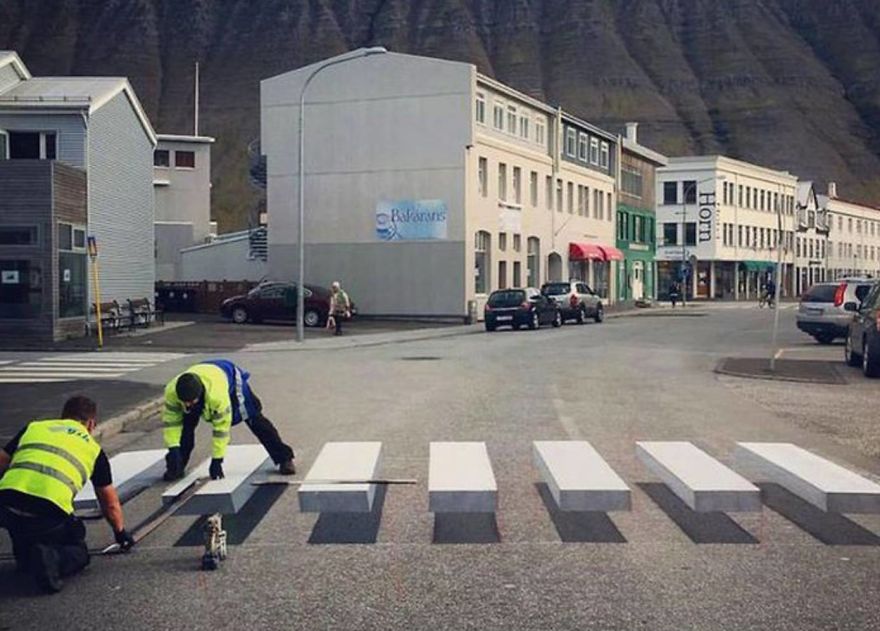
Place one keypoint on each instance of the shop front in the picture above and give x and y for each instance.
(592, 263)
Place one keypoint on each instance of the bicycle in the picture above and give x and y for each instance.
(766, 298)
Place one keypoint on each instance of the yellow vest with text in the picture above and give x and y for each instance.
(53, 461)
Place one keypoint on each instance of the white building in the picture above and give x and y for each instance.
(722, 216)
(428, 185)
(811, 241)
(182, 185)
(853, 237)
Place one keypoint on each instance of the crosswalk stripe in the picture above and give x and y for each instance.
(17, 379)
(6, 370)
(74, 366)
(65, 375)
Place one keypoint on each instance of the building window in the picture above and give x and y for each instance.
(502, 274)
(498, 116)
(597, 204)
(517, 243)
(540, 133)
(524, 127)
(517, 185)
(638, 234)
(580, 200)
(761, 202)
(594, 150)
(631, 181)
(571, 143)
(670, 234)
(690, 233)
(609, 206)
(586, 201)
(739, 230)
(71, 271)
(161, 158)
(482, 176)
(480, 108)
(482, 248)
(689, 190)
(559, 196)
(548, 191)
(533, 188)
(621, 225)
(511, 119)
(583, 147)
(19, 235)
(517, 274)
(570, 198)
(502, 241)
(533, 259)
(604, 159)
(502, 181)
(184, 159)
(740, 194)
(670, 192)
(26, 145)
(21, 289)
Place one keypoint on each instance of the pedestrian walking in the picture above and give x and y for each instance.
(674, 293)
(42, 469)
(218, 392)
(340, 306)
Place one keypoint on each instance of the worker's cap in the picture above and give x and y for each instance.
(189, 387)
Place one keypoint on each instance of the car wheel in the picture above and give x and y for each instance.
(824, 338)
(515, 327)
(852, 359)
(581, 315)
(600, 313)
(557, 319)
(311, 318)
(490, 327)
(535, 321)
(869, 364)
(239, 315)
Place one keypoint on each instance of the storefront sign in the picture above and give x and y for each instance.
(408, 220)
(9, 277)
(706, 219)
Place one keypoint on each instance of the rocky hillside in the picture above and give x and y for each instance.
(792, 84)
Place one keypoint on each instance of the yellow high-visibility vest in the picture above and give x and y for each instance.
(53, 461)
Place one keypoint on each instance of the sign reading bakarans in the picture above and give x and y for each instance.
(409, 219)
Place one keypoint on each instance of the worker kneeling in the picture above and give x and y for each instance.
(218, 392)
(43, 468)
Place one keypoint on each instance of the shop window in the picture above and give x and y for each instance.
(71, 284)
(20, 289)
(482, 246)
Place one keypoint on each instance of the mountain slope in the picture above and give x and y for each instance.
(791, 84)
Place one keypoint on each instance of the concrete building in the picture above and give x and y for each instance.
(182, 184)
(636, 219)
(428, 185)
(96, 126)
(811, 240)
(853, 236)
(721, 218)
(231, 256)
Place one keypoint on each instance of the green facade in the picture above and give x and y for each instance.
(636, 238)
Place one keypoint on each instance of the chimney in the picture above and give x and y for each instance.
(632, 132)
(832, 190)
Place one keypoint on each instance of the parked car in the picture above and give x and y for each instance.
(277, 301)
(823, 311)
(576, 300)
(863, 336)
(521, 307)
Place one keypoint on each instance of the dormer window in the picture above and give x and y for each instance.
(32, 145)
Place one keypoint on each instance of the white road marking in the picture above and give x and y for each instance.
(76, 366)
(568, 423)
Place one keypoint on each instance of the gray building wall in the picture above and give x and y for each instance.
(221, 260)
(171, 238)
(69, 128)
(121, 211)
(8, 77)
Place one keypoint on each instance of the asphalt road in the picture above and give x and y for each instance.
(659, 566)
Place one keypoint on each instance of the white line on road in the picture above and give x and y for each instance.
(568, 424)
(64, 376)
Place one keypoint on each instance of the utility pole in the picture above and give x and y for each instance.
(196, 103)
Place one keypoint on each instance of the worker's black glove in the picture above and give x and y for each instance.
(125, 540)
(173, 464)
(216, 469)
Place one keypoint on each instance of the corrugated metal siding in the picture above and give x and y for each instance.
(8, 77)
(69, 127)
(121, 208)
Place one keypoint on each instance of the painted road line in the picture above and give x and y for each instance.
(342, 461)
(460, 478)
(579, 478)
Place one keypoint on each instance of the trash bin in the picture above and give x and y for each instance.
(472, 312)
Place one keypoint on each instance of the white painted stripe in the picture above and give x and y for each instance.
(84, 365)
(65, 369)
(99, 360)
(29, 380)
(63, 376)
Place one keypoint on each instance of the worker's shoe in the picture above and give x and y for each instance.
(287, 467)
(45, 569)
(172, 475)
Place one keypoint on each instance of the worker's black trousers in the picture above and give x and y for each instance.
(66, 535)
(261, 427)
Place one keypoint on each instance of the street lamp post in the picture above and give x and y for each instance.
(780, 245)
(300, 242)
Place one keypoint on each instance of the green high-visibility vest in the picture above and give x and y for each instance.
(53, 461)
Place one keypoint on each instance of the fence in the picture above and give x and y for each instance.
(198, 297)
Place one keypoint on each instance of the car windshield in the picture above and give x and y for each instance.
(511, 298)
(555, 289)
(820, 293)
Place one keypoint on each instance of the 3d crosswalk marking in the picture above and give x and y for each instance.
(129, 469)
(460, 478)
(342, 461)
(579, 478)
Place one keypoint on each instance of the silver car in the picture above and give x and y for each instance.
(826, 309)
(576, 300)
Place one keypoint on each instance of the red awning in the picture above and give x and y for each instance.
(612, 253)
(593, 252)
(585, 252)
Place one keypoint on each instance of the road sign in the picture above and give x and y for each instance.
(92, 246)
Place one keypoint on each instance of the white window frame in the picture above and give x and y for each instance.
(483, 176)
(583, 147)
(540, 132)
(524, 126)
(571, 143)
(604, 155)
(511, 119)
(5, 154)
(480, 108)
(502, 181)
(533, 188)
(594, 151)
(498, 115)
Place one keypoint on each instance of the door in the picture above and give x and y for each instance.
(4, 145)
(271, 304)
(638, 280)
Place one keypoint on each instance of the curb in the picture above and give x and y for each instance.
(118, 423)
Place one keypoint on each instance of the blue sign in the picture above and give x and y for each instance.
(407, 220)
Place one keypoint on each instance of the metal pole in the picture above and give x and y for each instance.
(300, 239)
(684, 276)
(778, 283)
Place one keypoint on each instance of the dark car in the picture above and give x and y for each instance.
(277, 301)
(576, 300)
(520, 307)
(863, 334)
